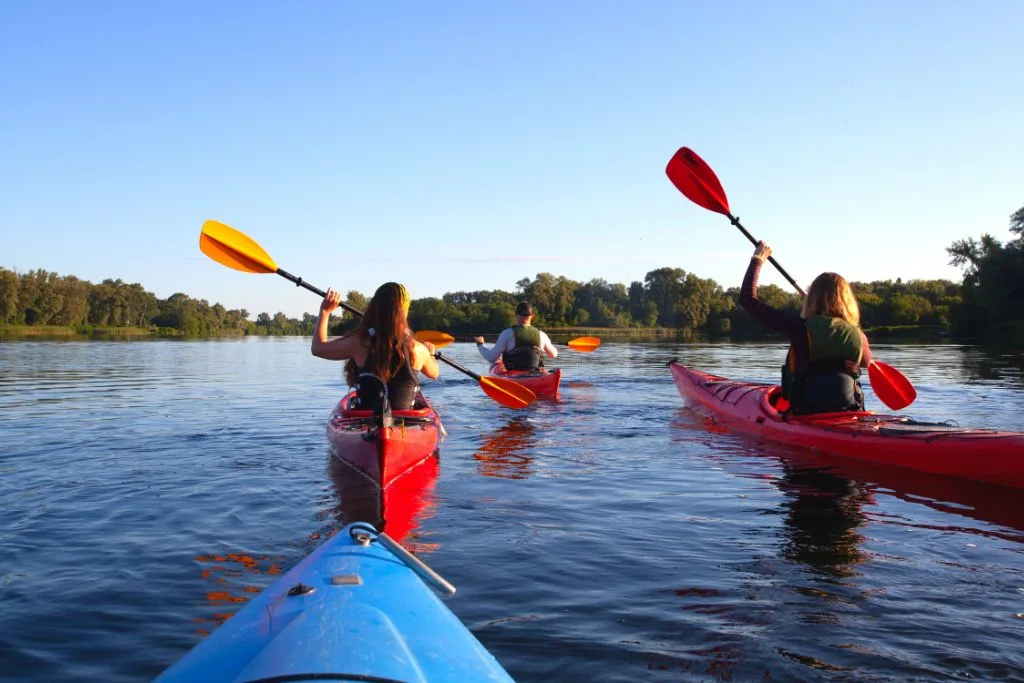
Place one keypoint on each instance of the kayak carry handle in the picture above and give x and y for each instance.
(429, 576)
(418, 566)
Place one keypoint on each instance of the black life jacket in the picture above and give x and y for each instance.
(831, 381)
(526, 354)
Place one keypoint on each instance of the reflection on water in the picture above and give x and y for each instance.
(850, 484)
(612, 536)
(992, 364)
(398, 510)
(822, 516)
(230, 575)
(505, 452)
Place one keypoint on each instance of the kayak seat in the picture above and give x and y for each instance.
(352, 409)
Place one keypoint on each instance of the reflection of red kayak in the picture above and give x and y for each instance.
(979, 454)
(542, 382)
(398, 509)
(384, 453)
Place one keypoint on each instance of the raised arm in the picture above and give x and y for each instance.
(784, 321)
(339, 348)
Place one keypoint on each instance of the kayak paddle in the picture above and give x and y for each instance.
(236, 250)
(584, 344)
(694, 178)
(435, 337)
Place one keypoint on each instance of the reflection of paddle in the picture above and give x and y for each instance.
(694, 178)
(234, 249)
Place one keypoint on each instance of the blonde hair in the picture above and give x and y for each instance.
(831, 295)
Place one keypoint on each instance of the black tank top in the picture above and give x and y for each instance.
(401, 389)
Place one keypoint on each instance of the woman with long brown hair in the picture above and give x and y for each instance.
(381, 348)
(827, 348)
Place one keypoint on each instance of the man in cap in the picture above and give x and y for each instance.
(520, 347)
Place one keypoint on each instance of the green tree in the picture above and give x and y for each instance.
(9, 286)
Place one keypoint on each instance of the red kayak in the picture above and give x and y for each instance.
(542, 382)
(383, 454)
(983, 455)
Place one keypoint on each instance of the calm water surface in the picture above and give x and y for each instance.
(148, 489)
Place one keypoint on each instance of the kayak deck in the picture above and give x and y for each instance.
(986, 455)
(353, 610)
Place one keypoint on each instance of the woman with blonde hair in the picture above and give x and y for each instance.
(381, 351)
(827, 348)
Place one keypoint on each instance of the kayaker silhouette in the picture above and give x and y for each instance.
(827, 348)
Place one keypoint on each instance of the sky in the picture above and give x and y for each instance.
(462, 146)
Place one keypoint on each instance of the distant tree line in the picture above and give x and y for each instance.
(669, 298)
(993, 287)
(41, 298)
(989, 302)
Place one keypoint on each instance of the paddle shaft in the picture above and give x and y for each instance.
(736, 221)
(299, 282)
(449, 361)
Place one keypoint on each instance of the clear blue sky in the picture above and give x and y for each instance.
(466, 145)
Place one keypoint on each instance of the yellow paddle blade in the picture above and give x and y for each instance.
(584, 344)
(438, 339)
(234, 249)
(506, 392)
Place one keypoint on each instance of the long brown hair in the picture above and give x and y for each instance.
(386, 327)
(831, 295)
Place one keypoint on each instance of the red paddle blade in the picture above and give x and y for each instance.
(695, 179)
(891, 386)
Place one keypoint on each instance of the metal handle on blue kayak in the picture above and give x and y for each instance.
(428, 575)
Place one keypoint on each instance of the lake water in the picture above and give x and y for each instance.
(148, 489)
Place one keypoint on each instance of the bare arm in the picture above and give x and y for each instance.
(547, 347)
(423, 359)
(339, 348)
(501, 346)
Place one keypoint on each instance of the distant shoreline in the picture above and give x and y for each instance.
(558, 335)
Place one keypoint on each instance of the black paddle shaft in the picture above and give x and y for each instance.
(458, 367)
(736, 221)
(299, 282)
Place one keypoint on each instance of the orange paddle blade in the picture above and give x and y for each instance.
(584, 344)
(891, 386)
(506, 392)
(694, 178)
(234, 249)
(438, 339)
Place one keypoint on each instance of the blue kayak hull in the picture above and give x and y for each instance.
(351, 611)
